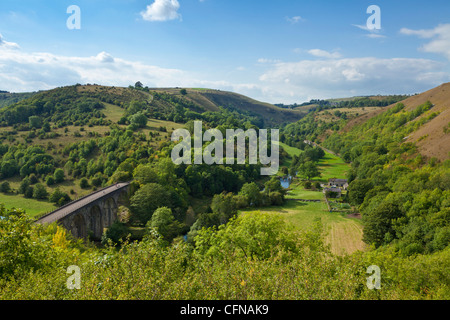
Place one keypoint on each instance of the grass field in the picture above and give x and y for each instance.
(332, 166)
(31, 206)
(342, 234)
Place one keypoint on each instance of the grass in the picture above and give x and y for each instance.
(290, 150)
(332, 166)
(31, 206)
(342, 234)
(297, 192)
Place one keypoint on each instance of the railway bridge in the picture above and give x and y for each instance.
(90, 215)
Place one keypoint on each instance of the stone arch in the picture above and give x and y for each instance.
(96, 222)
(110, 212)
(79, 226)
(123, 199)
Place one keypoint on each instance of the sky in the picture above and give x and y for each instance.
(277, 51)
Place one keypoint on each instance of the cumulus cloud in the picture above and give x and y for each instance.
(440, 39)
(162, 10)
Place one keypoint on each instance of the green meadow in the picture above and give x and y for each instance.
(331, 166)
(31, 206)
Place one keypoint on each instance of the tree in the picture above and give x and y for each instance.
(165, 224)
(274, 185)
(309, 170)
(5, 187)
(379, 219)
(254, 235)
(84, 183)
(147, 199)
(50, 180)
(224, 205)
(35, 122)
(24, 184)
(183, 92)
(59, 197)
(138, 85)
(145, 174)
(252, 194)
(358, 189)
(139, 120)
(116, 232)
(39, 191)
(59, 175)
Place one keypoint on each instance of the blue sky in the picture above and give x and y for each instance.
(275, 51)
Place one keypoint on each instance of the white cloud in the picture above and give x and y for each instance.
(22, 71)
(265, 60)
(440, 36)
(7, 45)
(162, 10)
(295, 19)
(358, 76)
(324, 54)
(372, 33)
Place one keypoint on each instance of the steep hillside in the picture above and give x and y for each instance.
(432, 138)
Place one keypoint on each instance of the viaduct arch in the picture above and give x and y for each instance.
(90, 215)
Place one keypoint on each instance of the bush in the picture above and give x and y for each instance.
(58, 175)
(5, 187)
(117, 232)
(40, 192)
(50, 180)
(84, 183)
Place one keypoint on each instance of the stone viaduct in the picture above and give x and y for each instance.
(90, 215)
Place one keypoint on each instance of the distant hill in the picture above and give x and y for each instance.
(8, 98)
(211, 100)
(161, 103)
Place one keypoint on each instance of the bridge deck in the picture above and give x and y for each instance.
(77, 204)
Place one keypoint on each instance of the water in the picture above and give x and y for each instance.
(286, 181)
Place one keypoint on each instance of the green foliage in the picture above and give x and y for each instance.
(358, 189)
(308, 169)
(59, 175)
(5, 187)
(251, 192)
(59, 197)
(40, 192)
(224, 205)
(253, 257)
(84, 183)
(254, 236)
(149, 198)
(165, 224)
(139, 120)
(116, 233)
